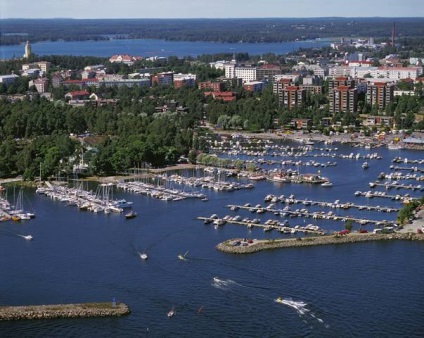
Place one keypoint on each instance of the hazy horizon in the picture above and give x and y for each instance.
(218, 9)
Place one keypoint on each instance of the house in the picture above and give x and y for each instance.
(223, 96)
(124, 58)
(301, 123)
(77, 95)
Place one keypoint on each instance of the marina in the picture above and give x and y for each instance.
(145, 262)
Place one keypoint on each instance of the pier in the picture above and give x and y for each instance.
(83, 310)
(285, 212)
(267, 226)
(396, 185)
(240, 246)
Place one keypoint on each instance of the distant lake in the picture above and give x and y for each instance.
(151, 47)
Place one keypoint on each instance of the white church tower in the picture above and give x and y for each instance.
(27, 50)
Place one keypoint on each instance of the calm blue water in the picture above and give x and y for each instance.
(359, 290)
(151, 47)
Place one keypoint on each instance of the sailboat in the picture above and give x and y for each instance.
(183, 257)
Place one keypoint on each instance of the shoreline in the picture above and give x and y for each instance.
(262, 245)
(82, 310)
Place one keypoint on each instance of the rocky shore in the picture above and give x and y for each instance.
(84, 310)
(250, 246)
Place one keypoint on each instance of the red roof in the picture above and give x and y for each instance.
(269, 66)
(79, 93)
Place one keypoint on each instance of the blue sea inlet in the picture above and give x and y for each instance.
(152, 47)
(353, 290)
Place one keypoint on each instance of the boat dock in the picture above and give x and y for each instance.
(413, 169)
(396, 185)
(85, 200)
(382, 194)
(286, 212)
(405, 160)
(266, 227)
(399, 176)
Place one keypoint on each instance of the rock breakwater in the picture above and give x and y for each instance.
(84, 310)
(240, 246)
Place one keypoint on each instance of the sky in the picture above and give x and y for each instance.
(104, 9)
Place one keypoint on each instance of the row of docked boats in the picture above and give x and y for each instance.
(157, 191)
(84, 200)
(396, 185)
(291, 199)
(396, 176)
(267, 226)
(14, 212)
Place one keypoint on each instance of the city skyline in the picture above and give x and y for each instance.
(105, 9)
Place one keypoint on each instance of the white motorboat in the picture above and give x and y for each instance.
(327, 184)
(183, 257)
(143, 255)
(171, 313)
(365, 165)
(27, 237)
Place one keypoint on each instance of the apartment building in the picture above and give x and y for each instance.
(184, 80)
(380, 94)
(8, 79)
(292, 97)
(343, 99)
(246, 73)
(341, 81)
(254, 86)
(214, 86)
(41, 85)
(165, 78)
(267, 72)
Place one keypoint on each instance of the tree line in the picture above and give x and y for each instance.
(218, 30)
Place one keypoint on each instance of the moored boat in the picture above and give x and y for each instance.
(131, 214)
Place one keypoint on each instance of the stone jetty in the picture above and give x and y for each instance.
(244, 246)
(84, 310)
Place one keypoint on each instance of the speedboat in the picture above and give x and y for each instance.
(171, 313)
(182, 257)
(143, 255)
(279, 300)
(27, 237)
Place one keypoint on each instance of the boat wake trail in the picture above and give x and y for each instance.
(223, 284)
(301, 308)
